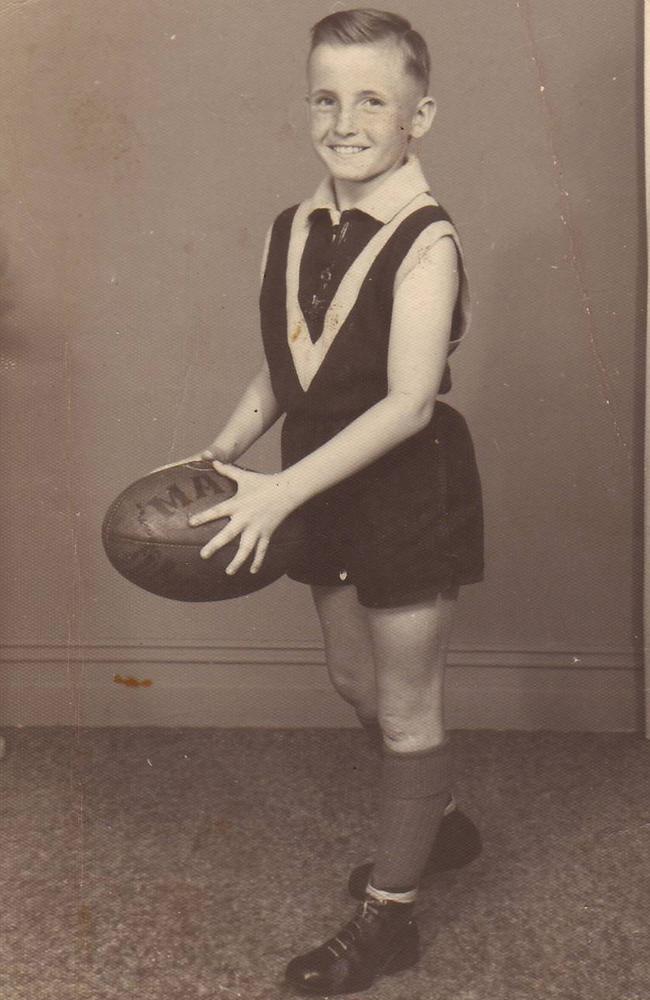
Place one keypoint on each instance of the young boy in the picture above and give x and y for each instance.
(363, 298)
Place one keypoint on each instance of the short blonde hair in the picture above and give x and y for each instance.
(365, 25)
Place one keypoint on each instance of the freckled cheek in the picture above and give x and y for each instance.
(390, 141)
(318, 132)
(389, 131)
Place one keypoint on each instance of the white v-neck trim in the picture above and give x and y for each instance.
(307, 355)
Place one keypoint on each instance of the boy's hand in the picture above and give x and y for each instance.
(255, 511)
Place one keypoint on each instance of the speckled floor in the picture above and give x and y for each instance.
(171, 865)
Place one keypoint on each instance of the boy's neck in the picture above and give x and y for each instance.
(348, 194)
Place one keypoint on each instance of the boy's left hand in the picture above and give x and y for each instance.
(255, 511)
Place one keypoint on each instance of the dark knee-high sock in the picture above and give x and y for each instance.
(415, 790)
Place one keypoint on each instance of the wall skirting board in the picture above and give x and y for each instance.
(277, 687)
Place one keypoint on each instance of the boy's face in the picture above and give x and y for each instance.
(365, 107)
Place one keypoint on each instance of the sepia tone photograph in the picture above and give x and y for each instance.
(324, 548)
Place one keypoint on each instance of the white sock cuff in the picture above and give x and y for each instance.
(391, 897)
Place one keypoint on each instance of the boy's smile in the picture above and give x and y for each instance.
(365, 108)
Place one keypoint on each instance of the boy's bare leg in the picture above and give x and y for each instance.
(348, 649)
(410, 645)
(410, 648)
(389, 663)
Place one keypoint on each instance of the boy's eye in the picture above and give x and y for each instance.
(322, 103)
(374, 102)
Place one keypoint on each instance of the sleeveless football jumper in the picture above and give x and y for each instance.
(409, 525)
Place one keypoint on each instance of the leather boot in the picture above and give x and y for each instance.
(381, 938)
(457, 842)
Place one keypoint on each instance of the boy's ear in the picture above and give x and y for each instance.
(423, 118)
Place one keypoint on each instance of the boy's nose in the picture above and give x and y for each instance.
(345, 123)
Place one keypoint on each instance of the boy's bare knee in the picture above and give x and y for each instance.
(416, 740)
(397, 729)
(395, 737)
(408, 731)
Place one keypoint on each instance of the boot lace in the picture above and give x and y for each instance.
(356, 930)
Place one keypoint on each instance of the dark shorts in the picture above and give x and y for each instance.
(405, 529)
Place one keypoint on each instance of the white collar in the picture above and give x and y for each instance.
(383, 204)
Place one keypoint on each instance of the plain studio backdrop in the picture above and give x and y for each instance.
(147, 148)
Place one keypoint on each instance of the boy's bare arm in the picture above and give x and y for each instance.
(256, 411)
(419, 341)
